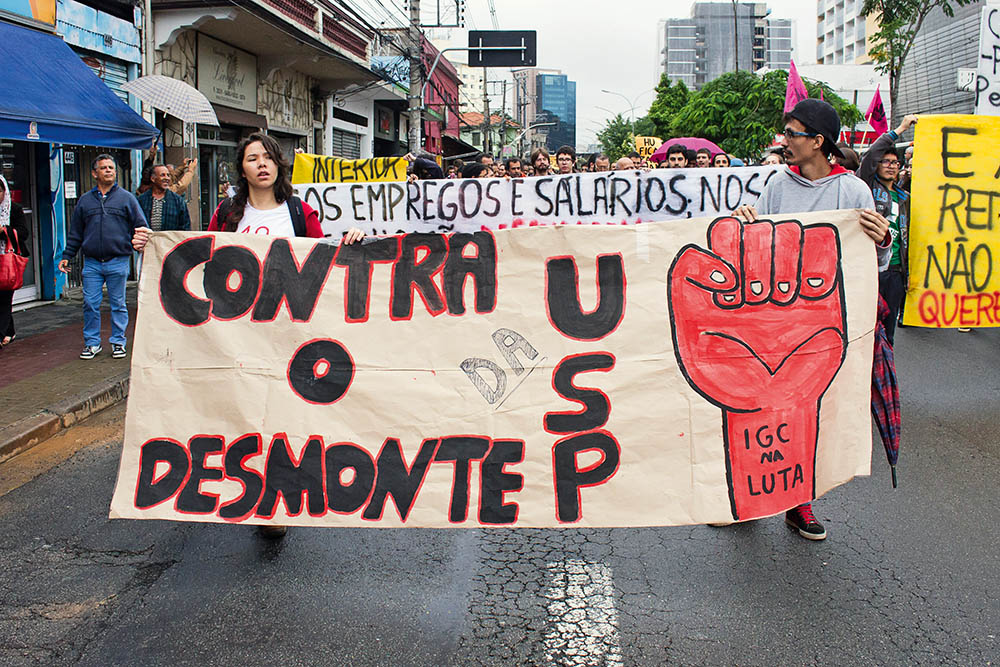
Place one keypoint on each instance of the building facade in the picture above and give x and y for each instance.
(723, 37)
(545, 104)
(842, 34)
(928, 84)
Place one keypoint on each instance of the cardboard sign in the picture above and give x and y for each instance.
(987, 87)
(669, 373)
(310, 168)
(468, 205)
(646, 146)
(954, 239)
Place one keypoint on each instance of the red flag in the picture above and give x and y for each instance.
(821, 95)
(876, 114)
(795, 92)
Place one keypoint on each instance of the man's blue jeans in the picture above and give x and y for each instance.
(114, 273)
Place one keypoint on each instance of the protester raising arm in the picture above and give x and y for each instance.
(868, 170)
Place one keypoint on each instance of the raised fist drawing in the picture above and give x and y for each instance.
(759, 329)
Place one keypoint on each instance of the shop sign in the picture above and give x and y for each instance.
(227, 75)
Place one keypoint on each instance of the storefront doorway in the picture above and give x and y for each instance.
(17, 162)
(217, 166)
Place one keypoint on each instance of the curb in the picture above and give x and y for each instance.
(30, 431)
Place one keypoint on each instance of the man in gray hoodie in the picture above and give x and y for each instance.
(811, 183)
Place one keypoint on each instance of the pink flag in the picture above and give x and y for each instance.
(795, 92)
(876, 114)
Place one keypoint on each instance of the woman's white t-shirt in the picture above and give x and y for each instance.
(274, 222)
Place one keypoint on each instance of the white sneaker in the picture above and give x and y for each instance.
(117, 351)
(90, 351)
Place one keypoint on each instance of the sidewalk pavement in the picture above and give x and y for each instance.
(44, 385)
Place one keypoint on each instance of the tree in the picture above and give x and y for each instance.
(670, 98)
(741, 112)
(899, 22)
(617, 132)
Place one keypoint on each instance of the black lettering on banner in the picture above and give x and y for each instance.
(428, 199)
(473, 365)
(311, 197)
(947, 155)
(491, 197)
(290, 480)
(509, 342)
(321, 371)
(321, 171)
(463, 197)
(397, 193)
(450, 211)
(601, 195)
(748, 186)
(579, 197)
(358, 191)
(376, 194)
(191, 500)
(347, 499)
(951, 206)
(150, 491)
(563, 195)
(570, 478)
(178, 303)
(495, 482)
(412, 197)
(596, 406)
(358, 258)
(253, 484)
(514, 196)
(730, 203)
(663, 194)
(638, 192)
(482, 268)
(716, 196)
(682, 200)
(408, 274)
(330, 209)
(283, 280)
(226, 262)
(563, 297)
(616, 194)
(539, 182)
(394, 478)
(461, 450)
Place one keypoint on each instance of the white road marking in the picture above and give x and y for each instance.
(582, 624)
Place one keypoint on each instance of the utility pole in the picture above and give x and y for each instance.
(736, 36)
(503, 118)
(416, 78)
(486, 115)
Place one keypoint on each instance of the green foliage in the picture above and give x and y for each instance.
(899, 22)
(645, 127)
(616, 134)
(670, 98)
(741, 112)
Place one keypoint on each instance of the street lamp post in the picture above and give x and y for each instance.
(631, 110)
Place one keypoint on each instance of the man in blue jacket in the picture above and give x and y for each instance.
(102, 227)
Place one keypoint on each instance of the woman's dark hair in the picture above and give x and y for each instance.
(474, 170)
(282, 183)
(725, 155)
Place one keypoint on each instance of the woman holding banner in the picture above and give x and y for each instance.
(264, 203)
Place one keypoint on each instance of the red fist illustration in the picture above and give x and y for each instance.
(759, 329)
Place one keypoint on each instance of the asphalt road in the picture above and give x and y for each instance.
(907, 576)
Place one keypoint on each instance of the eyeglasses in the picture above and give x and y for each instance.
(792, 133)
(889, 163)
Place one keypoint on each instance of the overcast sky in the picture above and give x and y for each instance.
(610, 45)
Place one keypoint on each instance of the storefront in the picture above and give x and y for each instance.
(60, 104)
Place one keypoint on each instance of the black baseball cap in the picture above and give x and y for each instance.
(820, 117)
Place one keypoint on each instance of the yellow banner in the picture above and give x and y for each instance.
(953, 239)
(646, 146)
(311, 168)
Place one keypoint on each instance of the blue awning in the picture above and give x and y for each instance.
(50, 95)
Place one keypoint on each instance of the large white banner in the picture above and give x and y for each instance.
(469, 205)
(639, 375)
